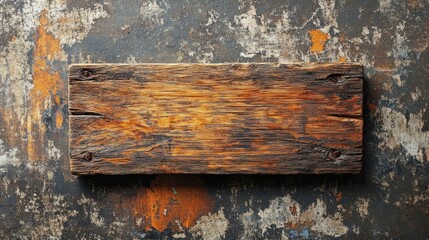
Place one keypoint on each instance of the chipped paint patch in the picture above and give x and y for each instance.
(384, 5)
(250, 225)
(71, 27)
(213, 17)
(398, 131)
(151, 11)
(179, 235)
(7, 157)
(49, 211)
(211, 226)
(371, 35)
(256, 36)
(285, 211)
(329, 13)
(131, 59)
(91, 210)
(318, 40)
(172, 198)
(53, 152)
(362, 205)
(205, 57)
(400, 50)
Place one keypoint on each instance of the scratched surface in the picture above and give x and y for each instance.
(40, 199)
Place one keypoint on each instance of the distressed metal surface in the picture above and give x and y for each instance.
(40, 199)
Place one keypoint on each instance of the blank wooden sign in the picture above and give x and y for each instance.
(263, 118)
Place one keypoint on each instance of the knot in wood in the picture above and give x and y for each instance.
(86, 73)
(334, 78)
(87, 157)
(333, 154)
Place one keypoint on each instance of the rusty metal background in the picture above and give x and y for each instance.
(40, 199)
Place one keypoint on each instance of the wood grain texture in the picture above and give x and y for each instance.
(263, 118)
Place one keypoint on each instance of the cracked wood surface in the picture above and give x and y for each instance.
(215, 118)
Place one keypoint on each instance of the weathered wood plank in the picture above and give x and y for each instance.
(215, 118)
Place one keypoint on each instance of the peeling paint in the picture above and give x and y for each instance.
(53, 152)
(213, 17)
(256, 37)
(398, 131)
(286, 213)
(250, 224)
(400, 50)
(50, 213)
(371, 35)
(179, 235)
(211, 226)
(329, 15)
(151, 11)
(71, 27)
(384, 5)
(7, 157)
(92, 210)
(362, 205)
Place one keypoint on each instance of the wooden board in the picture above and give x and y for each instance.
(263, 118)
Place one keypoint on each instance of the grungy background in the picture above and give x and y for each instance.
(40, 199)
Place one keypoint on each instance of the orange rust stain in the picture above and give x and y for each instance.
(318, 40)
(46, 49)
(59, 119)
(57, 99)
(339, 196)
(171, 198)
(46, 84)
